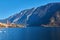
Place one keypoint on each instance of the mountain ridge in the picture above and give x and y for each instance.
(34, 16)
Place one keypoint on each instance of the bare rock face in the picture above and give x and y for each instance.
(43, 15)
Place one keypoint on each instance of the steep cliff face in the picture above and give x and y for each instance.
(35, 16)
(43, 14)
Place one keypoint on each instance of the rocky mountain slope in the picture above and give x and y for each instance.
(35, 16)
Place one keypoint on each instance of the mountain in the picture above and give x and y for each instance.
(35, 16)
(42, 14)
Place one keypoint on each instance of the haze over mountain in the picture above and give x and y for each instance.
(34, 16)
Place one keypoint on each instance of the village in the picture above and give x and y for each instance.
(8, 24)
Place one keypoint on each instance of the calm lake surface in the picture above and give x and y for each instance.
(30, 33)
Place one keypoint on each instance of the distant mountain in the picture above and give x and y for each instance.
(34, 16)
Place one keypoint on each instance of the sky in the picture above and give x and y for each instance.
(11, 7)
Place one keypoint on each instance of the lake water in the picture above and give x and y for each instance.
(30, 33)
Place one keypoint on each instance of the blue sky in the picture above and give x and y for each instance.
(10, 7)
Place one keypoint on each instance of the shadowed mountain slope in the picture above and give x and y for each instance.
(34, 16)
